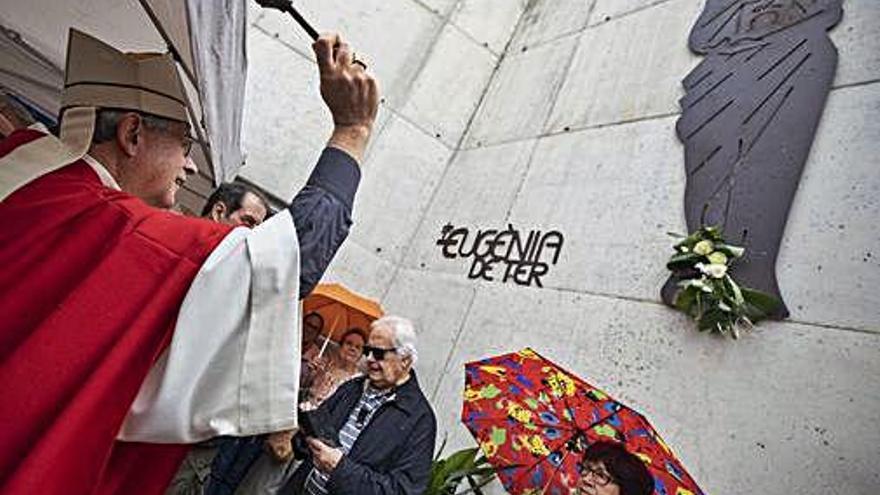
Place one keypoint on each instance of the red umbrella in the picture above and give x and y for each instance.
(533, 420)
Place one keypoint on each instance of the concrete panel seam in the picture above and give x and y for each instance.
(634, 120)
(628, 13)
(575, 32)
(608, 295)
(554, 39)
(832, 326)
(554, 93)
(407, 87)
(434, 11)
(458, 333)
(290, 47)
(522, 182)
(554, 97)
(589, 15)
(402, 116)
(855, 84)
(575, 129)
(483, 45)
(458, 147)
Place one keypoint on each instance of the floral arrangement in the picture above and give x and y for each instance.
(708, 293)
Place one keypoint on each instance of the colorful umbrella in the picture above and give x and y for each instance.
(533, 420)
(341, 309)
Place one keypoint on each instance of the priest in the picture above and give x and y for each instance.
(129, 331)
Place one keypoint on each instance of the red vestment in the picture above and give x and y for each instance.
(91, 283)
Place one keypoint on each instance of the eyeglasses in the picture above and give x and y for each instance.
(377, 352)
(187, 143)
(599, 475)
(163, 125)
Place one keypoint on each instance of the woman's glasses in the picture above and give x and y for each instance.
(598, 473)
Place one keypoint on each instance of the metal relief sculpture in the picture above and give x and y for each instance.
(748, 120)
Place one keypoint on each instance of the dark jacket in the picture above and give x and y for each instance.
(393, 453)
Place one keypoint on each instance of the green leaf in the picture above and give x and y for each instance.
(712, 317)
(448, 473)
(712, 233)
(686, 299)
(759, 304)
(681, 261)
(738, 298)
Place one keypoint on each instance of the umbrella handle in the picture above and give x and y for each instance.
(287, 6)
(324, 346)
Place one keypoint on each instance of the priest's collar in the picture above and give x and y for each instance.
(102, 172)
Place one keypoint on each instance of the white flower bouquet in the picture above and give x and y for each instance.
(707, 292)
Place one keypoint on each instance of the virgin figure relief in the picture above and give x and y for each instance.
(748, 119)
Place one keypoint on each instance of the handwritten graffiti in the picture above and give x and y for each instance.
(519, 258)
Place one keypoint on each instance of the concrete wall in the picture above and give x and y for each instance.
(560, 114)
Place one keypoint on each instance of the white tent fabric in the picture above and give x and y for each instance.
(221, 74)
(207, 35)
(28, 74)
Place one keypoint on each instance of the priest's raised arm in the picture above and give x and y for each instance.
(129, 331)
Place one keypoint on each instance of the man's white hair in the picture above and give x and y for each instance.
(404, 333)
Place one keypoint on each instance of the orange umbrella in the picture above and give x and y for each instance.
(341, 309)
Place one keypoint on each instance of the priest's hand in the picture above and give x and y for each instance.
(324, 457)
(351, 94)
(279, 445)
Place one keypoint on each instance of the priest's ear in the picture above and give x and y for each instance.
(129, 132)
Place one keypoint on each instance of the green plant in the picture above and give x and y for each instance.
(464, 465)
(707, 292)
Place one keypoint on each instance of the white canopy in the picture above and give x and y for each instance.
(206, 36)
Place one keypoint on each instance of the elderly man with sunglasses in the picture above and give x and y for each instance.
(382, 426)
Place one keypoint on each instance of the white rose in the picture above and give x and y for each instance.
(717, 258)
(704, 247)
(713, 270)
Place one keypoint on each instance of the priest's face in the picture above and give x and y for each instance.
(161, 163)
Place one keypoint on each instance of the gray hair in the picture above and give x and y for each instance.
(404, 335)
(107, 120)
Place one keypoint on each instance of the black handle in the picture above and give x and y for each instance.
(287, 6)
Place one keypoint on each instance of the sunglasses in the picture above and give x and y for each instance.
(378, 353)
